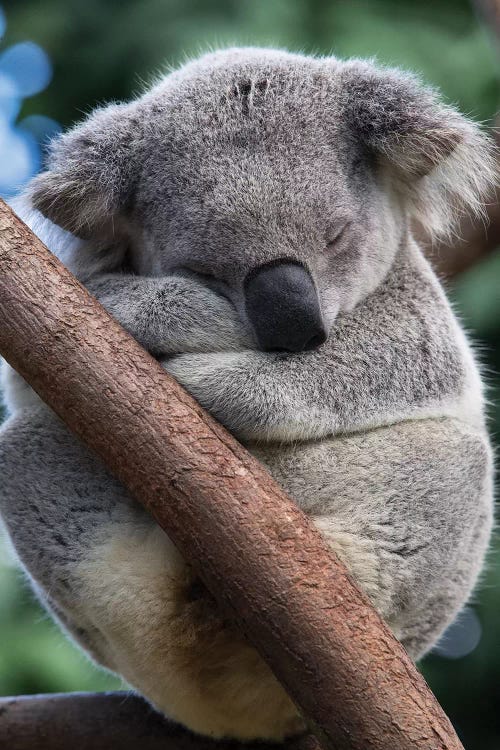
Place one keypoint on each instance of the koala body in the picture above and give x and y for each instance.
(249, 221)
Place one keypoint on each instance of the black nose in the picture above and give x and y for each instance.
(283, 307)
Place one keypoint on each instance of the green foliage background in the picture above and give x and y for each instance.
(107, 49)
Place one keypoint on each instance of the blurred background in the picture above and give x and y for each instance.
(59, 58)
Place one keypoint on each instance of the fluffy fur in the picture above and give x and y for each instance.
(164, 207)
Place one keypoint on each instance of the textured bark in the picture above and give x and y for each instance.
(258, 554)
(104, 721)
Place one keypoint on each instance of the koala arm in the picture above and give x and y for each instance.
(263, 396)
(166, 315)
(398, 355)
(171, 314)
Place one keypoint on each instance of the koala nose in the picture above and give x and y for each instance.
(283, 307)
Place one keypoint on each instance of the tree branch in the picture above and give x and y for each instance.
(104, 721)
(262, 559)
(489, 11)
(476, 238)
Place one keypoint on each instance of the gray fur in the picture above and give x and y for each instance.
(236, 160)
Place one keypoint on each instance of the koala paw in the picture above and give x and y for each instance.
(248, 392)
(222, 383)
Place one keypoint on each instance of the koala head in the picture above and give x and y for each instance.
(286, 182)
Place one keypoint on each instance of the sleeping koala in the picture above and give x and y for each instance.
(249, 220)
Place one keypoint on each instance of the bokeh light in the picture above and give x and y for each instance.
(462, 637)
(10, 101)
(42, 128)
(25, 70)
(19, 157)
(28, 66)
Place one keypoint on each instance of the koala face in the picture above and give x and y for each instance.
(286, 182)
(252, 170)
(246, 169)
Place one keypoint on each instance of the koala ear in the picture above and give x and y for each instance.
(441, 161)
(90, 175)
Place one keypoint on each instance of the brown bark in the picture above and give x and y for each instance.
(475, 238)
(257, 553)
(489, 12)
(104, 721)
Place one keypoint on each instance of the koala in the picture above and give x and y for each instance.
(250, 221)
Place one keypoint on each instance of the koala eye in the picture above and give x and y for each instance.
(334, 237)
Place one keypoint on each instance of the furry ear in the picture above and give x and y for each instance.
(91, 173)
(441, 161)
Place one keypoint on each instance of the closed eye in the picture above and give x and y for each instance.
(334, 241)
